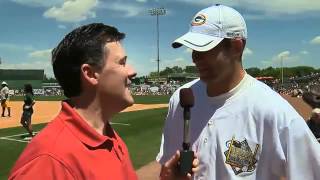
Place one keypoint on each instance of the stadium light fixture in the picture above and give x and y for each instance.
(157, 12)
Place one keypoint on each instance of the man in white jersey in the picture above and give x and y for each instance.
(5, 98)
(240, 128)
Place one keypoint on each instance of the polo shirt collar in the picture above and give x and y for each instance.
(81, 129)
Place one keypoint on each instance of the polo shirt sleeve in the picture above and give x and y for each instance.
(302, 151)
(43, 167)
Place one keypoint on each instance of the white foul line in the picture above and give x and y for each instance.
(17, 140)
(10, 139)
(120, 124)
(16, 135)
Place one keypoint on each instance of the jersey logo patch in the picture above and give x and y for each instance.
(240, 156)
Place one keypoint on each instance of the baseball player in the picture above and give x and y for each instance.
(5, 97)
(28, 109)
(240, 128)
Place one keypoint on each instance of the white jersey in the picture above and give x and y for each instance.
(251, 132)
(4, 93)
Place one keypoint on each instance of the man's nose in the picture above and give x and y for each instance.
(131, 71)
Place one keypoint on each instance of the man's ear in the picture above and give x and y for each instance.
(237, 47)
(238, 44)
(89, 74)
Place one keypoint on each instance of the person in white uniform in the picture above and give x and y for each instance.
(5, 98)
(240, 128)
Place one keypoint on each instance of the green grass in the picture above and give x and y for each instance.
(151, 99)
(10, 150)
(142, 138)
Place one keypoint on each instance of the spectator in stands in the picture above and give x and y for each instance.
(312, 96)
(27, 109)
(314, 123)
(5, 98)
(91, 66)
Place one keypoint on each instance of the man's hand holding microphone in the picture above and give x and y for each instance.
(184, 163)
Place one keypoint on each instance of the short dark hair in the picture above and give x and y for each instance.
(28, 89)
(83, 45)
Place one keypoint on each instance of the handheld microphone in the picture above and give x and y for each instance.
(186, 155)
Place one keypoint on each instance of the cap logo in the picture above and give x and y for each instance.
(199, 20)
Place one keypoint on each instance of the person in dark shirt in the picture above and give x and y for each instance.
(27, 109)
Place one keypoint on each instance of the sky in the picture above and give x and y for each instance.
(287, 30)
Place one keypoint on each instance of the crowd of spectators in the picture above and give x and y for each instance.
(166, 88)
(295, 86)
(53, 91)
(153, 88)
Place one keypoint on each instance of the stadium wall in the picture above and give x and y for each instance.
(16, 78)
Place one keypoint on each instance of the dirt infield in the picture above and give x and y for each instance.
(303, 108)
(44, 111)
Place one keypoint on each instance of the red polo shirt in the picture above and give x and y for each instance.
(68, 148)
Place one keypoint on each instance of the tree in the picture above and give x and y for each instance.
(254, 71)
(191, 69)
(153, 74)
(49, 80)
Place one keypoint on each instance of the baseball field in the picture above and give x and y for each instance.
(140, 126)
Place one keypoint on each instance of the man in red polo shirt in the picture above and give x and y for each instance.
(90, 65)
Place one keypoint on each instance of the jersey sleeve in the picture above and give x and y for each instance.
(43, 167)
(170, 136)
(302, 151)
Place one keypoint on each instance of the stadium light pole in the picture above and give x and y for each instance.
(157, 12)
(282, 70)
